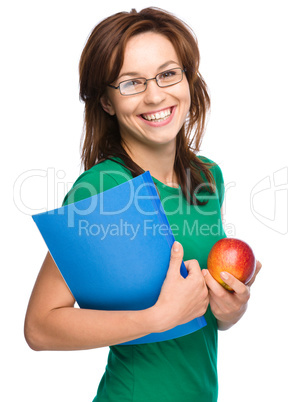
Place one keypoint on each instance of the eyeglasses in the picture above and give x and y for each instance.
(135, 86)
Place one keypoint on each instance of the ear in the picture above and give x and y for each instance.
(107, 105)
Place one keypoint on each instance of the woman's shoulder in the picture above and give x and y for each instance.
(101, 177)
(112, 169)
(213, 166)
(206, 160)
(217, 175)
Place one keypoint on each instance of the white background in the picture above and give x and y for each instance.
(250, 59)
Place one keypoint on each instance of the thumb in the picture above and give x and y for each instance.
(176, 258)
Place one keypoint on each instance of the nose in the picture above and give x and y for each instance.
(153, 93)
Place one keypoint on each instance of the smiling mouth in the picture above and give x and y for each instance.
(158, 116)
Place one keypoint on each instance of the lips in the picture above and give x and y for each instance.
(157, 116)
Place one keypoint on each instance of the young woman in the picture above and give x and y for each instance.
(145, 109)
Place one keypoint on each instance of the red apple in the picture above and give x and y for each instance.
(233, 256)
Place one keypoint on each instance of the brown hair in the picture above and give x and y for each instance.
(100, 64)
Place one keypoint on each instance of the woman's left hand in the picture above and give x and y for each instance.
(228, 307)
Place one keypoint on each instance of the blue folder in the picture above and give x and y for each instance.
(113, 250)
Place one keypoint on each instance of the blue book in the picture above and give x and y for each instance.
(113, 250)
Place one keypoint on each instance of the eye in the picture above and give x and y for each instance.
(167, 74)
(132, 83)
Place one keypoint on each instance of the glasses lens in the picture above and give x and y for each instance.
(132, 87)
(164, 79)
(169, 77)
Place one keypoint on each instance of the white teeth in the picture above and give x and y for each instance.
(157, 116)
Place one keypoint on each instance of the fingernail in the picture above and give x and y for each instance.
(204, 272)
(176, 246)
(224, 275)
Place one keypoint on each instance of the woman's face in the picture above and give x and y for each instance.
(140, 116)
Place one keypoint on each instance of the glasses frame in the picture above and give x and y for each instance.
(183, 70)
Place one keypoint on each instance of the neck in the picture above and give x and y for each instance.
(159, 162)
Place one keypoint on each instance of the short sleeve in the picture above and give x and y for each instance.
(218, 178)
(88, 184)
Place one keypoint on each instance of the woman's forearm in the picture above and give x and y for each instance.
(223, 324)
(69, 328)
(52, 322)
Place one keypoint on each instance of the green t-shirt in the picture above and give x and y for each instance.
(177, 370)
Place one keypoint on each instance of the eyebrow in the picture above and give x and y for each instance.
(135, 74)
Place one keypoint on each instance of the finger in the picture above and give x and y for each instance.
(213, 285)
(176, 258)
(239, 288)
(193, 268)
(219, 296)
(257, 269)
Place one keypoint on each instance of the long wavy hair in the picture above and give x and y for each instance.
(100, 64)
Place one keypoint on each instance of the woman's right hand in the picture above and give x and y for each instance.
(181, 299)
